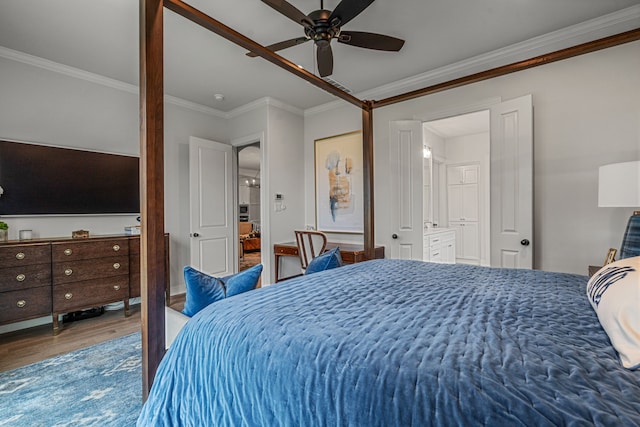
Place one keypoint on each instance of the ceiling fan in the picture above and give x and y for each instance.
(322, 26)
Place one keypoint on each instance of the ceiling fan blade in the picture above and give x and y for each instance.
(346, 10)
(282, 45)
(290, 11)
(371, 40)
(325, 60)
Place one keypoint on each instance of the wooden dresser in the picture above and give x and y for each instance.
(56, 276)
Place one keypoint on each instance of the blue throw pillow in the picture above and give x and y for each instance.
(202, 290)
(244, 281)
(326, 261)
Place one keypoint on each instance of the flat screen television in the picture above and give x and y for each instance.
(44, 180)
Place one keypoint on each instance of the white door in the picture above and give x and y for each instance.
(406, 167)
(512, 183)
(211, 202)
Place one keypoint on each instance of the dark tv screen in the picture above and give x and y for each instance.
(43, 180)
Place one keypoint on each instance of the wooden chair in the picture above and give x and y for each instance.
(310, 245)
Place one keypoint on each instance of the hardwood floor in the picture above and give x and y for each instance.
(26, 346)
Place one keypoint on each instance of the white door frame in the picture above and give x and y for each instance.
(265, 229)
(486, 104)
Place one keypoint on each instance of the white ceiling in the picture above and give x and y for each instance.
(101, 36)
(466, 124)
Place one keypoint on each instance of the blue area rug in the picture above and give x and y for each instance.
(100, 385)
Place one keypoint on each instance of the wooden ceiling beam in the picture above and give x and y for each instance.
(204, 20)
(548, 58)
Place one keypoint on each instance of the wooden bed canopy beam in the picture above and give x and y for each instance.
(152, 257)
(152, 162)
(548, 58)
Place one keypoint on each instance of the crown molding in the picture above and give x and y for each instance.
(194, 106)
(261, 103)
(324, 107)
(98, 79)
(607, 25)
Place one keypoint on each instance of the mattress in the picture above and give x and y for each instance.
(397, 343)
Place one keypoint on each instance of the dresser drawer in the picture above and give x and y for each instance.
(25, 304)
(16, 255)
(89, 293)
(25, 277)
(72, 251)
(75, 271)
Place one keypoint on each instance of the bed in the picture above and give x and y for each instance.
(398, 343)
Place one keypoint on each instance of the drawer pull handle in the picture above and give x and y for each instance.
(21, 303)
(116, 287)
(20, 255)
(116, 265)
(116, 248)
(68, 295)
(20, 277)
(68, 252)
(68, 272)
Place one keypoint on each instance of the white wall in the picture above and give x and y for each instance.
(586, 114)
(47, 107)
(282, 150)
(284, 175)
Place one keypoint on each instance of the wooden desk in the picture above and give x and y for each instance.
(350, 253)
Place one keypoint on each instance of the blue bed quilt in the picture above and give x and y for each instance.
(398, 343)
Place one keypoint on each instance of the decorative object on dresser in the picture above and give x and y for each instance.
(79, 234)
(62, 275)
(4, 231)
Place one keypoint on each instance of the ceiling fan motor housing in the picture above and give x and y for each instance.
(322, 30)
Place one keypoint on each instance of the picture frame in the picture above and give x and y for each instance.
(610, 256)
(339, 183)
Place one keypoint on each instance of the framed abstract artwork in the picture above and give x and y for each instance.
(339, 183)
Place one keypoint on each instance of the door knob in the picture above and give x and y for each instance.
(394, 236)
(524, 242)
(195, 235)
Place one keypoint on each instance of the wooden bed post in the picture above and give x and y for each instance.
(152, 272)
(368, 192)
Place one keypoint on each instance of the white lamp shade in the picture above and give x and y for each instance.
(619, 185)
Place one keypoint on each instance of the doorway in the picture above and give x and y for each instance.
(249, 203)
(457, 183)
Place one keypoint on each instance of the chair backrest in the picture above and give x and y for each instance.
(310, 245)
(245, 228)
(631, 240)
